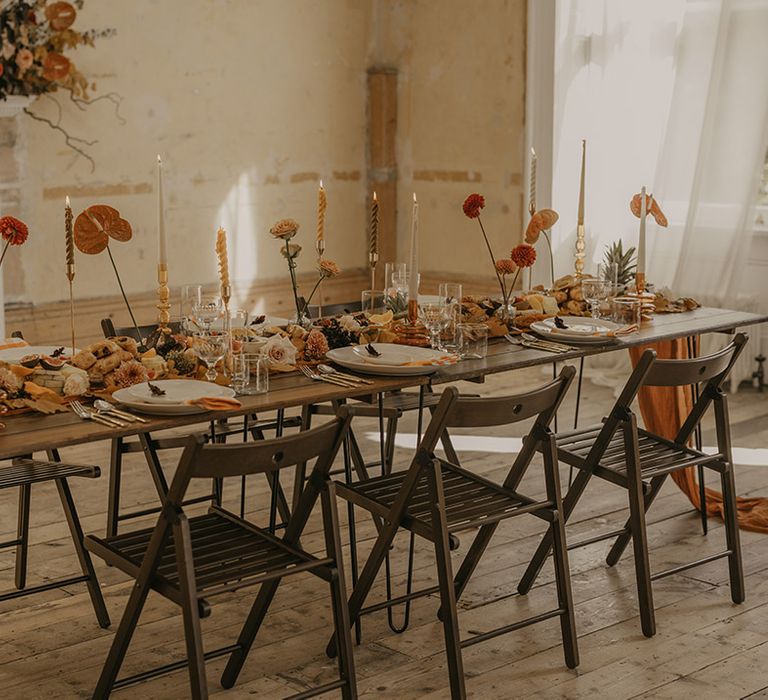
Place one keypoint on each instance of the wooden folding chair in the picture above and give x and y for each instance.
(151, 446)
(639, 461)
(189, 560)
(22, 473)
(435, 498)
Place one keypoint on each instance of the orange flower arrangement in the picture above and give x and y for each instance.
(523, 255)
(13, 231)
(505, 266)
(473, 204)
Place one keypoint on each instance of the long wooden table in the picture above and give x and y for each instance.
(34, 432)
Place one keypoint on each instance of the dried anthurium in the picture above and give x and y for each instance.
(96, 225)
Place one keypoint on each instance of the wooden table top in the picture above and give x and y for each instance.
(33, 432)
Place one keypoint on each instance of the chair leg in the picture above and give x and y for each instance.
(560, 556)
(22, 533)
(115, 477)
(471, 560)
(618, 547)
(639, 534)
(193, 634)
(155, 468)
(86, 565)
(545, 546)
(733, 539)
(389, 443)
(248, 633)
(300, 473)
(445, 581)
(338, 593)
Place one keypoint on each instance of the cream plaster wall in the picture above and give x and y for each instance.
(250, 102)
(461, 122)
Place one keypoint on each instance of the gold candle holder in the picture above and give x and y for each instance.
(163, 296)
(412, 331)
(640, 282)
(580, 248)
(373, 259)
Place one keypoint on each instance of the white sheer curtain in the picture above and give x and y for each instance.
(671, 94)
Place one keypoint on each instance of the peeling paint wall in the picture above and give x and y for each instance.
(250, 102)
(461, 122)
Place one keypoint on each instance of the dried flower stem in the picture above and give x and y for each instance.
(493, 260)
(551, 258)
(5, 250)
(292, 270)
(125, 297)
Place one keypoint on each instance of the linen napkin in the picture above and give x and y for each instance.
(215, 403)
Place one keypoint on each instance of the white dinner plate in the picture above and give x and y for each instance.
(178, 392)
(393, 360)
(580, 330)
(13, 355)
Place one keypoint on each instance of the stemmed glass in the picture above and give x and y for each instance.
(207, 311)
(451, 293)
(597, 289)
(210, 348)
(435, 317)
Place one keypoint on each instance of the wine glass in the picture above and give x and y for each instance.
(210, 348)
(435, 317)
(596, 290)
(207, 311)
(451, 294)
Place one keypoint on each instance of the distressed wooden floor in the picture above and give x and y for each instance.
(51, 646)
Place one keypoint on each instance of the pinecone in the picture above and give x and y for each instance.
(336, 336)
(181, 362)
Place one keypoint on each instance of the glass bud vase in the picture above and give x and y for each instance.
(506, 312)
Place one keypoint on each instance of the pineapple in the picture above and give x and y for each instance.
(626, 263)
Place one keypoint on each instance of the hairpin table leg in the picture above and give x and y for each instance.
(576, 412)
(693, 351)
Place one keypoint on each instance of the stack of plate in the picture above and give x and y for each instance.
(392, 360)
(579, 330)
(174, 402)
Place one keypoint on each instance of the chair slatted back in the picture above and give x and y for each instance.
(650, 371)
(109, 330)
(205, 460)
(505, 410)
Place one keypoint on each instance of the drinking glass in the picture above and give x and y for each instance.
(191, 294)
(451, 294)
(596, 290)
(207, 310)
(258, 373)
(473, 340)
(435, 318)
(627, 310)
(210, 348)
(392, 270)
(373, 301)
(240, 372)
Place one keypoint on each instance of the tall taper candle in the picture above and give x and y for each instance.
(641, 238)
(580, 219)
(373, 252)
(413, 268)
(162, 254)
(532, 190)
(69, 238)
(322, 203)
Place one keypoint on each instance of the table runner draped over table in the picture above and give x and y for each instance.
(663, 410)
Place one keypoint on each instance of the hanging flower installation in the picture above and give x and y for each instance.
(34, 36)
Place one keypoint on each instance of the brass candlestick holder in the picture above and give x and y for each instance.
(163, 303)
(320, 247)
(412, 331)
(373, 259)
(226, 295)
(640, 282)
(580, 248)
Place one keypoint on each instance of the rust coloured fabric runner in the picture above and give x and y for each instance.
(663, 410)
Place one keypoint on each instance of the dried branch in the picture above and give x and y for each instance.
(70, 140)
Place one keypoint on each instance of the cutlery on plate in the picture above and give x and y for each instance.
(338, 381)
(537, 344)
(104, 407)
(330, 371)
(83, 413)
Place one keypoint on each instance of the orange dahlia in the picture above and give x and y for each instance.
(505, 266)
(473, 204)
(523, 255)
(13, 230)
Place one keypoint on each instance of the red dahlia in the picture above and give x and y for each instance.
(473, 204)
(13, 230)
(523, 255)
